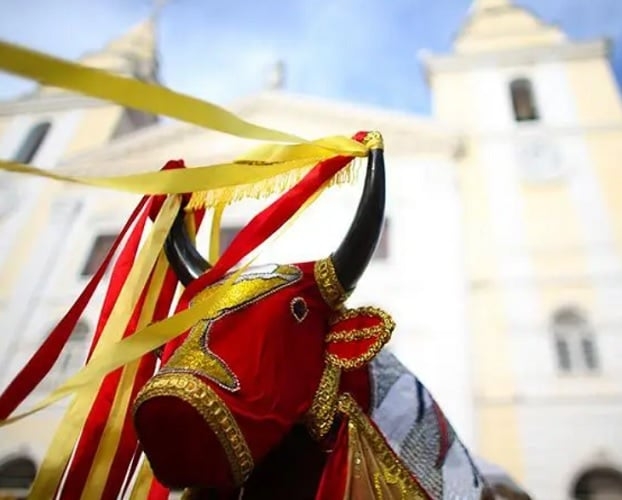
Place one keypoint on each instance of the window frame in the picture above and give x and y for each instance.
(32, 143)
(524, 84)
(571, 333)
(86, 266)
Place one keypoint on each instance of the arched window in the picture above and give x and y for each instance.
(32, 143)
(601, 483)
(575, 345)
(16, 477)
(523, 100)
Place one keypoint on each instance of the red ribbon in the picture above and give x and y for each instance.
(44, 358)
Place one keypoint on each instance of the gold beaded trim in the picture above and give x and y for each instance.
(374, 140)
(332, 291)
(320, 416)
(381, 333)
(203, 399)
(392, 469)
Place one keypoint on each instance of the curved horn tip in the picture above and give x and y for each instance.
(356, 250)
(184, 258)
(374, 140)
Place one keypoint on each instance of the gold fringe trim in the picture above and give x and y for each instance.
(266, 188)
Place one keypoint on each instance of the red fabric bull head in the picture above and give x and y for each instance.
(252, 367)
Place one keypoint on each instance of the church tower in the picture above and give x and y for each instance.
(540, 184)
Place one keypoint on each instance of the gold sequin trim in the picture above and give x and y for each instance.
(332, 291)
(380, 333)
(194, 356)
(320, 416)
(392, 469)
(203, 399)
(374, 140)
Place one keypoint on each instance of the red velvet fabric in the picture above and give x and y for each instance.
(277, 359)
(279, 363)
(358, 349)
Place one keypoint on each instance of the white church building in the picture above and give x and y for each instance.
(500, 260)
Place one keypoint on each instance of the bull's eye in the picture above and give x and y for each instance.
(299, 309)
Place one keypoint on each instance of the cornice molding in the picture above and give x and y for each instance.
(404, 134)
(49, 104)
(515, 57)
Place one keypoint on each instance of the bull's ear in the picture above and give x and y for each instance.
(357, 335)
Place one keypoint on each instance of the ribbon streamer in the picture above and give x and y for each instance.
(273, 159)
(155, 99)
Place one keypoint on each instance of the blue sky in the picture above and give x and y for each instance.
(356, 50)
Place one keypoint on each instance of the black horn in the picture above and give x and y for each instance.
(350, 259)
(353, 255)
(183, 256)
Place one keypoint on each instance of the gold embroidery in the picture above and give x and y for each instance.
(381, 334)
(389, 479)
(377, 471)
(320, 416)
(374, 140)
(332, 291)
(194, 355)
(203, 399)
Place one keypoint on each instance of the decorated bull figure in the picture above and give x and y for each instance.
(276, 389)
(280, 391)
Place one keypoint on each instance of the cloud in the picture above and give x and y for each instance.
(355, 50)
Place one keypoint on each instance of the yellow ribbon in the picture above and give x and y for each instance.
(175, 181)
(214, 242)
(66, 436)
(109, 442)
(142, 485)
(261, 163)
(155, 99)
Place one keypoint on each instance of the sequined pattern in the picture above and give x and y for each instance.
(322, 412)
(418, 432)
(387, 471)
(330, 288)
